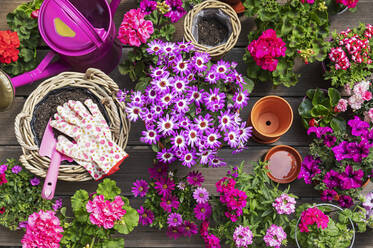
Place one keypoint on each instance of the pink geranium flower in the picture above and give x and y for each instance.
(313, 216)
(43, 230)
(105, 213)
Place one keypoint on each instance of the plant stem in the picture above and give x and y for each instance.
(92, 243)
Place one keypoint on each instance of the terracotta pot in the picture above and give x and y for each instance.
(366, 183)
(284, 163)
(236, 5)
(270, 117)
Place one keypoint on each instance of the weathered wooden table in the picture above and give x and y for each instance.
(141, 156)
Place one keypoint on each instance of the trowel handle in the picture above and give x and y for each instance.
(45, 69)
(113, 6)
(51, 179)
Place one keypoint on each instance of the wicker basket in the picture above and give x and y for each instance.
(217, 51)
(97, 83)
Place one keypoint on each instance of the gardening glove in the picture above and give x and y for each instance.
(94, 145)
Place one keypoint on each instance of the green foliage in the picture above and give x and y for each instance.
(295, 23)
(19, 198)
(259, 214)
(80, 232)
(357, 71)
(318, 107)
(138, 60)
(20, 21)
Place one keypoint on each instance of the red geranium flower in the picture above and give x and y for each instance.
(2, 210)
(9, 43)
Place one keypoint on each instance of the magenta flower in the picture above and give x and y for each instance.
(3, 179)
(345, 201)
(201, 195)
(158, 171)
(42, 228)
(169, 202)
(140, 188)
(331, 179)
(166, 156)
(147, 7)
(175, 232)
(311, 216)
(34, 182)
(57, 205)
(16, 169)
(177, 11)
(351, 179)
(202, 211)
(242, 236)
(3, 168)
(211, 241)
(348, 3)
(359, 127)
(310, 168)
(146, 216)
(174, 220)
(195, 178)
(190, 228)
(284, 204)
(328, 195)
(341, 151)
(329, 140)
(274, 237)
(319, 131)
(164, 186)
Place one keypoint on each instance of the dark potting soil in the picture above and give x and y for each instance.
(211, 31)
(46, 108)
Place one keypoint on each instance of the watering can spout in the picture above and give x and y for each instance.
(114, 6)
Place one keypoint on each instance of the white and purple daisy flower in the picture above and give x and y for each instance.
(189, 158)
(169, 48)
(159, 72)
(226, 120)
(201, 195)
(133, 112)
(212, 138)
(216, 162)
(181, 105)
(214, 100)
(161, 84)
(193, 135)
(166, 156)
(155, 47)
(195, 94)
(244, 132)
(240, 99)
(150, 137)
(167, 99)
(203, 122)
(137, 98)
(232, 138)
(206, 155)
(150, 95)
(212, 77)
(167, 125)
(182, 66)
(178, 142)
(179, 84)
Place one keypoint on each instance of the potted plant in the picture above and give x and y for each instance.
(153, 20)
(327, 225)
(340, 6)
(20, 195)
(212, 27)
(173, 203)
(250, 210)
(339, 162)
(350, 56)
(271, 117)
(236, 5)
(96, 218)
(284, 34)
(321, 108)
(189, 105)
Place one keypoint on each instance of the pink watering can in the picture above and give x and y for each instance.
(81, 32)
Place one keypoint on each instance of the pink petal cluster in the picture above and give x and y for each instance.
(360, 93)
(243, 236)
(369, 31)
(105, 213)
(312, 216)
(233, 198)
(339, 57)
(274, 237)
(308, 1)
(369, 115)
(43, 230)
(134, 29)
(266, 49)
(348, 3)
(341, 106)
(284, 204)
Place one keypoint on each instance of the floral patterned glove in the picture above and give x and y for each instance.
(94, 148)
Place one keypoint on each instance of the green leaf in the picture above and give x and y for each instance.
(129, 221)
(334, 96)
(249, 86)
(338, 124)
(319, 110)
(108, 188)
(317, 97)
(79, 200)
(304, 108)
(113, 243)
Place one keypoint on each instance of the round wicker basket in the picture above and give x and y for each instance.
(215, 52)
(97, 83)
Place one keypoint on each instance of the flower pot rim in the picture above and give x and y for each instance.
(330, 205)
(279, 98)
(294, 152)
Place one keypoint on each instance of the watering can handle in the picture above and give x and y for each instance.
(43, 70)
(113, 6)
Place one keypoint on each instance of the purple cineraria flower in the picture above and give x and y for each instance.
(164, 186)
(274, 237)
(331, 179)
(192, 135)
(167, 125)
(140, 188)
(177, 11)
(133, 112)
(159, 170)
(329, 140)
(359, 127)
(244, 132)
(146, 216)
(309, 169)
(345, 201)
(178, 142)
(155, 47)
(137, 98)
(166, 99)
(212, 77)
(351, 179)
(174, 219)
(189, 158)
(214, 100)
(341, 151)
(185, 122)
(166, 156)
(16, 169)
(319, 131)
(182, 67)
(242, 236)
(170, 202)
(328, 195)
(57, 204)
(150, 95)
(199, 61)
(222, 68)
(3, 168)
(194, 94)
(179, 85)
(190, 228)
(212, 138)
(161, 84)
(181, 185)
(181, 105)
(169, 48)
(240, 99)
(216, 162)
(201, 195)
(156, 110)
(185, 46)
(226, 121)
(147, 7)
(202, 211)
(232, 138)
(122, 95)
(35, 181)
(195, 178)
(205, 156)
(159, 72)
(175, 232)
(203, 122)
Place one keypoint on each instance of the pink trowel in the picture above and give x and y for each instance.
(48, 149)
